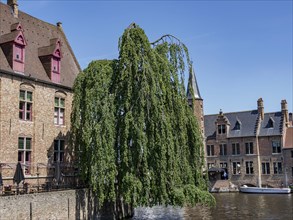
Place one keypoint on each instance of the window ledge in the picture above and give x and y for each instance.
(62, 126)
(19, 61)
(25, 121)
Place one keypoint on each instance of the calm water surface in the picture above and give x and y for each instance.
(229, 206)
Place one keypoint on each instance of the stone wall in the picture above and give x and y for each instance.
(41, 129)
(70, 204)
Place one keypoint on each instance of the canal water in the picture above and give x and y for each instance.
(229, 206)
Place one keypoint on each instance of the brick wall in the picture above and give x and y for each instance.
(265, 144)
(41, 129)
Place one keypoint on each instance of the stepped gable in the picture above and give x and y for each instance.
(37, 34)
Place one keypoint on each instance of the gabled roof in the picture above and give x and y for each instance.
(193, 83)
(49, 50)
(37, 34)
(248, 122)
(9, 37)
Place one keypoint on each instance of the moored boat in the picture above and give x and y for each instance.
(263, 190)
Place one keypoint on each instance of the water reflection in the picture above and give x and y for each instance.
(229, 206)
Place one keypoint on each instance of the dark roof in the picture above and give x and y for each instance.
(38, 34)
(193, 83)
(276, 129)
(248, 123)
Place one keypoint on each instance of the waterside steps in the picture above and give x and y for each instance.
(223, 186)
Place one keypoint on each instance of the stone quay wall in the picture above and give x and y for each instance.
(61, 205)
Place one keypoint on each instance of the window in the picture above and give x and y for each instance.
(210, 150)
(236, 168)
(56, 69)
(265, 168)
(277, 168)
(210, 165)
(19, 53)
(249, 167)
(223, 149)
(59, 111)
(221, 129)
(237, 125)
(224, 165)
(276, 147)
(25, 105)
(270, 123)
(249, 148)
(292, 153)
(58, 150)
(235, 149)
(292, 171)
(24, 152)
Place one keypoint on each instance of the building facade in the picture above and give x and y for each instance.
(37, 72)
(248, 147)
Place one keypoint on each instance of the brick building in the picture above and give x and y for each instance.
(249, 147)
(37, 72)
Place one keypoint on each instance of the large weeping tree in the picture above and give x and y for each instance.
(136, 138)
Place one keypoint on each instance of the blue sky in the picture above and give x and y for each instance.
(241, 50)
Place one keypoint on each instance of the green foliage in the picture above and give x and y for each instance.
(136, 137)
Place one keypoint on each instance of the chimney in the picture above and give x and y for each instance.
(285, 114)
(14, 7)
(59, 24)
(260, 108)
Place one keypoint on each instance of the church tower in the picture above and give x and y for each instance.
(194, 100)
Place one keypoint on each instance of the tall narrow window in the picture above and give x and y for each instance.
(59, 111)
(223, 149)
(277, 168)
(58, 150)
(235, 149)
(236, 168)
(24, 152)
(25, 105)
(249, 148)
(210, 150)
(249, 167)
(265, 168)
(56, 69)
(276, 147)
(19, 53)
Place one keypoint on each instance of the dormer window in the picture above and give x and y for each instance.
(237, 125)
(50, 57)
(221, 129)
(13, 45)
(19, 51)
(270, 123)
